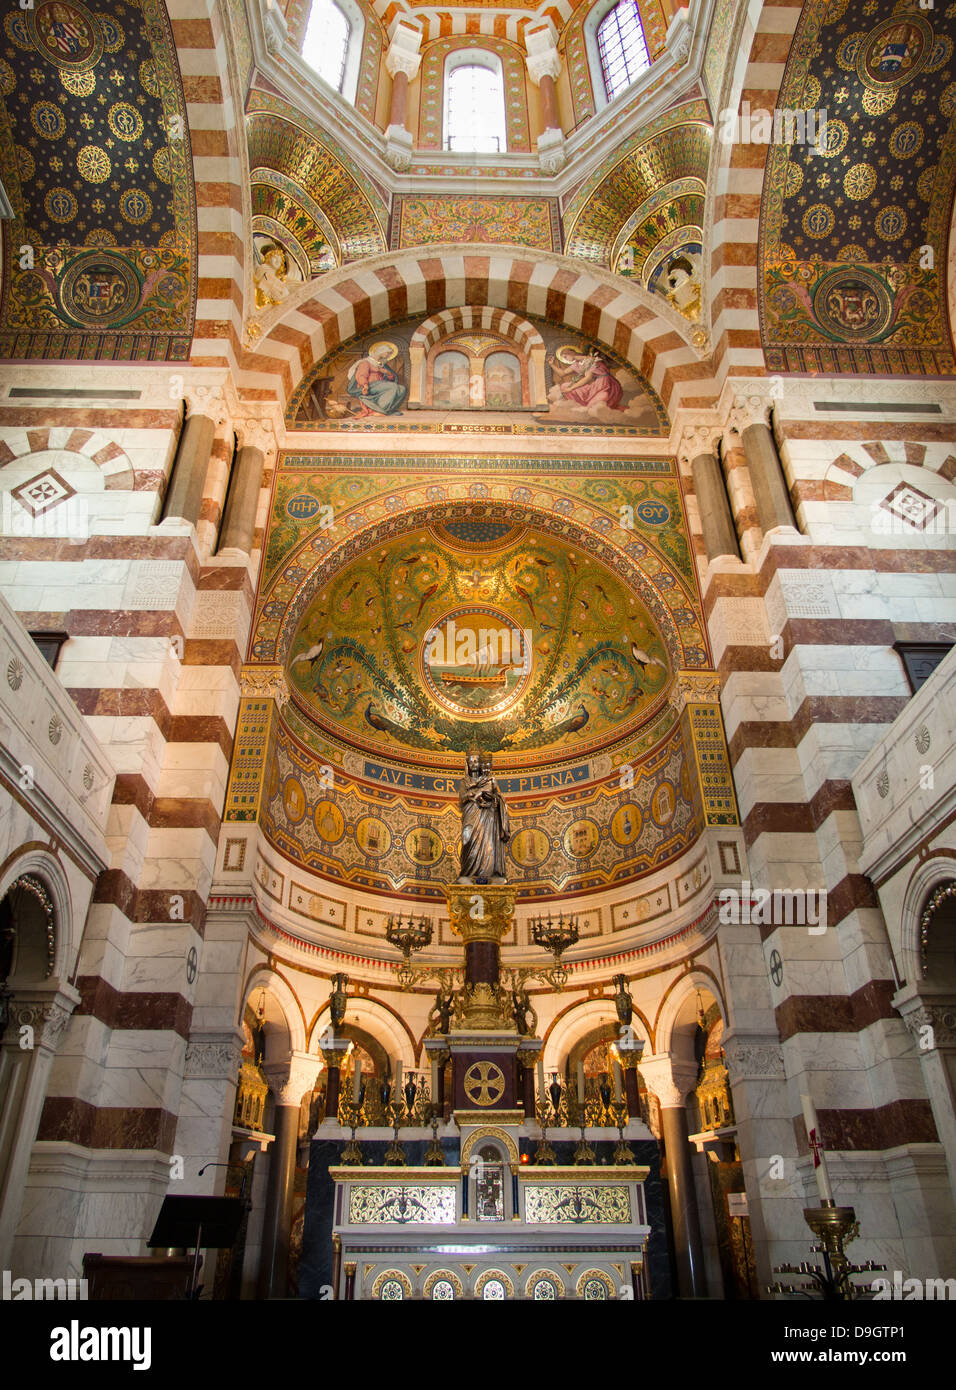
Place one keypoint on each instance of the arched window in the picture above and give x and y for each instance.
(475, 103)
(332, 46)
(622, 47)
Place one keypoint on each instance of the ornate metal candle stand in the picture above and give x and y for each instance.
(623, 1153)
(395, 1156)
(835, 1228)
(584, 1153)
(434, 1154)
(351, 1114)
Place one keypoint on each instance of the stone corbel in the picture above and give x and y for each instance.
(679, 36)
(552, 155)
(274, 28)
(399, 147)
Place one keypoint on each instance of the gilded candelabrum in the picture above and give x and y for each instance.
(434, 1154)
(395, 1156)
(623, 1153)
(835, 1227)
(584, 1153)
(350, 1114)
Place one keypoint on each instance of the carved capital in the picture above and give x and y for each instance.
(264, 682)
(209, 401)
(48, 1016)
(403, 55)
(670, 1080)
(930, 1025)
(545, 63)
(749, 410)
(696, 440)
(289, 1080)
(753, 1059)
(274, 28)
(399, 147)
(695, 687)
(214, 1056)
(255, 432)
(552, 155)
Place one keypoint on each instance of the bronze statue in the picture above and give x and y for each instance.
(338, 999)
(623, 1001)
(485, 827)
(521, 1008)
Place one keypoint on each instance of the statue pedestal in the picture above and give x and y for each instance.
(484, 1041)
(481, 914)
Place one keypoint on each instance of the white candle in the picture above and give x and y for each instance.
(581, 1082)
(617, 1082)
(542, 1095)
(816, 1148)
(434, 1079)
(356, 1081)
(398, 1078)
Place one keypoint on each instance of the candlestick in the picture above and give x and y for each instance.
(581, 1082)
(541, 1091)
(816, 1148)
(617, 1082)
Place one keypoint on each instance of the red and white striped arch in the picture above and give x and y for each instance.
(359, 298)
(486, 317)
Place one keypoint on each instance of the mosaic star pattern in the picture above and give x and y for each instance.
(95, 156)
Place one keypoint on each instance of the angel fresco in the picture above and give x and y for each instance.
(584, 379)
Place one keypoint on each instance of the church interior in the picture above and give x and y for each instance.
(452, 846)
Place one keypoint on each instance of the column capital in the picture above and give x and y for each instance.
(695, 687)
(289, 1080)
(264, 682)
(750, 409)
(214, 1055)
(275, 30)
(920, 1014)
(670, 1080)
(207, 400)
(46, 1008)
(751, 1056)
(696, 440)
(255, 432)
(403, 53)
(546, 63)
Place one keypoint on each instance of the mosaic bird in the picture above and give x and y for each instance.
(380, 722)
(572, 725)
(425, 597)
(523, 593)
(312, 655)
(643, 659)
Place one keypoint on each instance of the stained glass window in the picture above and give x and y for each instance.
(622, 47)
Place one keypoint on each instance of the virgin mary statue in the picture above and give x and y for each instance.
(485, 827)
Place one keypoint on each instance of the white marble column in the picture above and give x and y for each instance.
(39, 1014)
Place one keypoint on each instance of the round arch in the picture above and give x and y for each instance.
(263, 977)
(376, 1019)
(580, 1019)
(924, 879)
(41, 864)
(620, 314)
(682, 990)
